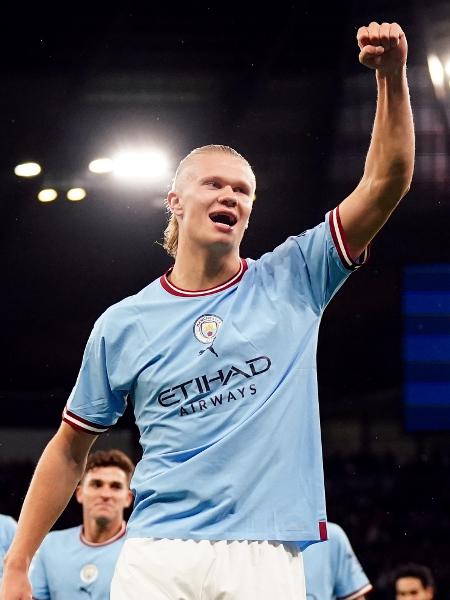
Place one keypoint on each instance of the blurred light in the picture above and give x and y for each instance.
(29, 169)
(47, 195)
(436, 72)
(148, 165)
(76, 194)
(447, 67)
(101, 165)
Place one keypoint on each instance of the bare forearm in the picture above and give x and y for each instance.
(57, 474)
(390, 159)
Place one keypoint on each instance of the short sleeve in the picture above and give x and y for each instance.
(314, 264)
(38, 577)
(11, 531)
(350, 580)
(98, 398)
(8, 528)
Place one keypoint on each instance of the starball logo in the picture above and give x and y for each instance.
(201, 392)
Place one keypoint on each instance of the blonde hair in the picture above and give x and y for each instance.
(170, 243)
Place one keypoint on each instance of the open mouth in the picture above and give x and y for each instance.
(224, 218)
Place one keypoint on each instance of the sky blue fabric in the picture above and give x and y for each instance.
(7, 530)
(65, 568)
(332, 569)
(224, 391)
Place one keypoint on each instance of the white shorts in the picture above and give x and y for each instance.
(161, 569)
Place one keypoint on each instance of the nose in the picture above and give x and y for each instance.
(106, 492)
(227, 197)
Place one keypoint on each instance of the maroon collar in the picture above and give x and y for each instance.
(176, 291)
(114, 538)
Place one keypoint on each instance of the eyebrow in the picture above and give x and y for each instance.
(115, 482)
(234, 183)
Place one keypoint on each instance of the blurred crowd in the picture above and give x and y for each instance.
(393, 513)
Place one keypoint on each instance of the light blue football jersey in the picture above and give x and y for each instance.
(67, 566)
(223, 384)
(332, 570)
(7, 530)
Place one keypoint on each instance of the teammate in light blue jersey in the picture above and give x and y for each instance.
(68, 566)
(7, 530)
(332, 571)
(217, 358)
(79, 562)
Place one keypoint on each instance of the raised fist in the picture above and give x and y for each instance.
(383, 47)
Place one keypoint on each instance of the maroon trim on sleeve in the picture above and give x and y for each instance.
(323, 531)
(358, 593)
(82, 424)
(77, 427)
(340, 242)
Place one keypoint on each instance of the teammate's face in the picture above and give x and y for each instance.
(213, 200)
(411, 588)
(104, 494)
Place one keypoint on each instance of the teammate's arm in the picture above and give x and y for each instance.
(350, 581)
(57, 474)
(390, 160)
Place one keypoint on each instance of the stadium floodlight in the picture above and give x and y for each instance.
(76, 194)
(437, 74)
(147, 165)
(47, 195)
(29, 169)
(435, 25)
(101, 165)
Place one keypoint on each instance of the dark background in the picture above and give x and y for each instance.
(282, 84)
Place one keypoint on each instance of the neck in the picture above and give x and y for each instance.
(98, 531)
(200, 270)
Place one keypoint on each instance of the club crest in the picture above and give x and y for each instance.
(88, 573)
(206, 328)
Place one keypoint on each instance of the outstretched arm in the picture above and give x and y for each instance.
(57, 474)
(390, 160)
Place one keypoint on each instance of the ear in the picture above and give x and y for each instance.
(129, 499)
(79, 494)
(175, 203)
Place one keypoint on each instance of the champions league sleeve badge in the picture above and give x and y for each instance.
(205, 331)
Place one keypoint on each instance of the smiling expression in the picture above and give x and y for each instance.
(213, 200)
(104, 493)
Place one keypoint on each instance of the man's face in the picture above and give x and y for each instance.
(411, 588)
(104, 494)
(213, 200)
